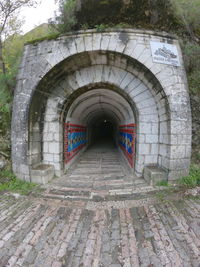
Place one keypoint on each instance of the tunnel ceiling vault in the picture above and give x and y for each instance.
(82, 60)
(100, 101)
(61, 81)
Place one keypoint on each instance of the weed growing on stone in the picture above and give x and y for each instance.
(193, 179)
(101, 27)
(162, 183)
(163, 196)
(9, 182)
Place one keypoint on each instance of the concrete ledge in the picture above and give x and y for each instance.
(42, 174)
(154, 174)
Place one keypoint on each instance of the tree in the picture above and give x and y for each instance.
(188, 12)
(81, 14)
(65, 20)
(9, 22)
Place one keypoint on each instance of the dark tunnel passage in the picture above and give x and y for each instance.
(101, 118)
(102, 130)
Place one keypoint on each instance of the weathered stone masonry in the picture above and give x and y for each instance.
(81, 77)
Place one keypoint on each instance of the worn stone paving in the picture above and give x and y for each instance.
(43, 232)
(106, 224)
(100, 168)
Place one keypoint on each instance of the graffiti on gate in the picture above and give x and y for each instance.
(127, 141)
(74, 140)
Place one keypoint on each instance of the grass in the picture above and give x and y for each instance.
(193, 179)
(184, 183)
(44, 38)
(10, 183)
(162, 183)
(190, 181)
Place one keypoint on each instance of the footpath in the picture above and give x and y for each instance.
(92, 217)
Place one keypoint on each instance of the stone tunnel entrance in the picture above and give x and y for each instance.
(91, 86)
(99, 116)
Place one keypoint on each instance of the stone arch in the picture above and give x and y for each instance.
(67, 63)
(144, 101)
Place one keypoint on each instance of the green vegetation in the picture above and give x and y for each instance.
(190, 181)
(162, 183)
(178, 16)
(197, 157)
(67, 20)
(191, 52)
(76, 14)
(12, 51)
(9, 182)
(193, 179)
(188, 14)
(50, 36)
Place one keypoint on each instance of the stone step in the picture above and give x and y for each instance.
(87, 165)
(99, 169)
(108, 194)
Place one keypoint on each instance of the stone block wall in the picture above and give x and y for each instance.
(54, 73)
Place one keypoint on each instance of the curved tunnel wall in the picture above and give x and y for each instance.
(101, 111)
(56, 74)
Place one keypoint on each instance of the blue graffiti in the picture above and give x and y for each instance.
(76, 140)
(126, 141)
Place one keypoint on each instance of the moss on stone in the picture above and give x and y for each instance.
(45, 38)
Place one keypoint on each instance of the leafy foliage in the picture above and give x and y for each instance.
(66, 20)
(77, 14)
(12, 51)
(192, 63)
(10, 24)
(5, 98)
(188, 13)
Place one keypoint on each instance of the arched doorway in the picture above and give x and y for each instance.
(101, 117)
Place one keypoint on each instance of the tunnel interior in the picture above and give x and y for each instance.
(98, 117)
(102, 130)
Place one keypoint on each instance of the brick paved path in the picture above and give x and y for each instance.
(97, 216)
(49, 232)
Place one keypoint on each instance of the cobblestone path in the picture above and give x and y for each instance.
(96, 216)
(49, 232)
